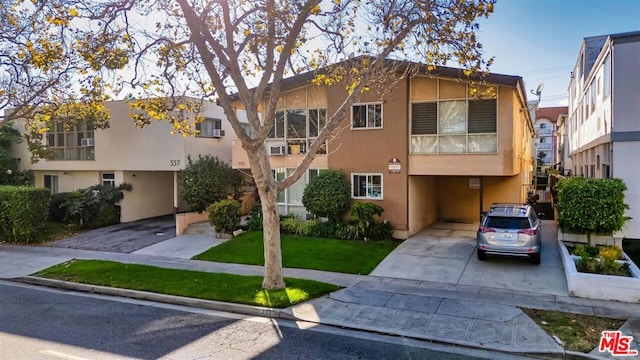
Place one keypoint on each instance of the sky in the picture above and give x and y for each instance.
(540, 39)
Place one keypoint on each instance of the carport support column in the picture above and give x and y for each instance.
(175, 192)
(481, 195)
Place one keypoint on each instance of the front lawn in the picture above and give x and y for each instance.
(303, 252)
(194, 284)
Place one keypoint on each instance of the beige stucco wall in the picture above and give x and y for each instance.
(423, 204)
(126, 148)
(152, 195)
(69, 181)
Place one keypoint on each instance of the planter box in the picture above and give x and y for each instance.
(604, 287)
(582, 239)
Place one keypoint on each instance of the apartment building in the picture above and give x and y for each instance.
(545, 125)
(603, 129)
(428, 150)
(148, 158)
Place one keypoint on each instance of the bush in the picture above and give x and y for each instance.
(297, 226)
(207, 181)
(328, 195)
(255, 217)
(224, 215)
(365, 216)
(94, 206)
(57, 212)
(23, 213)
(591, 205)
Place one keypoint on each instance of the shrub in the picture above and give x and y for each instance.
(57, 212)
(328, 195)
(380, 231)
(224, 215)
(207, 181)
(85, 207)
(295, 225)
(23, 213)
(365, 216)
(255, 217)
(365, 212)
(591, 205)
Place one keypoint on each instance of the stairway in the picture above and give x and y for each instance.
(203, 227)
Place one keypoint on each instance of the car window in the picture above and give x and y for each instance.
(508, 223)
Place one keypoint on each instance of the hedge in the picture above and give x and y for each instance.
(23, 213)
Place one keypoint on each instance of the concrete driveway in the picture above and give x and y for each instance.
(445, 253)
(122, 238)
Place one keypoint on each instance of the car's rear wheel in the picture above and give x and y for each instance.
(482, 254)
(535, 259)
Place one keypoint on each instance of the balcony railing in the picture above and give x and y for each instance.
(545, 132)
(544, 146)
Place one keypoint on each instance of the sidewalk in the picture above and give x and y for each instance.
(466, 315)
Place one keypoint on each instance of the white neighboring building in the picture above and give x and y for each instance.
(148, 158)
(603, 128)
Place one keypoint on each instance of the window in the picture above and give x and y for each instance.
(607, 77)
(109, 179)
(51, 182)
(71, 142)
(460, 126)
(366, 116)
(298, 128)
(210, 127)
(592, 89)
(290, 199)
(543, 126)
(366, 186)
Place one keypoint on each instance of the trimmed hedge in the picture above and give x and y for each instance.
(224, 215)
(23, 213)
(589, 206)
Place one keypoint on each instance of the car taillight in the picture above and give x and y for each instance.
(528, 231)
(484, 229)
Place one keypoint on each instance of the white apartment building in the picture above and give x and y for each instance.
(148, 158)
(603, 129)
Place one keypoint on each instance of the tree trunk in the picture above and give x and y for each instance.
(271, 231)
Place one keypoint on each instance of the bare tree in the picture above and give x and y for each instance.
(241, 51)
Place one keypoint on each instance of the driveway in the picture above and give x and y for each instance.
(123, 238)
(445, 253)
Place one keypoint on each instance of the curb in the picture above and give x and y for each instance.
(284, 314)
(163, 298)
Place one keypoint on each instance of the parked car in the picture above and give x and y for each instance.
(510, 229)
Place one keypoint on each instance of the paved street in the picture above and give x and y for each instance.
(46, 324)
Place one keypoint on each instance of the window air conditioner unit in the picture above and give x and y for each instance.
(86, 142)
(276, 150)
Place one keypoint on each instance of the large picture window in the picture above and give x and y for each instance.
(210, 127)
(457, 126)
(290, 199)
(366, 186)
(74, 142)
(366, 116)
(298, 128)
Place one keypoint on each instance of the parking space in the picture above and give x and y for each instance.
(123, 238)
(445, 252)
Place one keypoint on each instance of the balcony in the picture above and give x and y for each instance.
(545, 132)
(544, 146)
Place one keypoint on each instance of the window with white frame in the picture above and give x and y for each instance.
(454, 126)
(109, 179)
(607, 77)
(366, 116)
(210, 127)
(366, 186)
(298, 129)
(71, 142)
(290, 199)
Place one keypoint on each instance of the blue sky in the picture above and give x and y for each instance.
(540, 39)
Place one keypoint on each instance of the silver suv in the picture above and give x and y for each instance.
(510, 229)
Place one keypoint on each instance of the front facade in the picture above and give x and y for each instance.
(428, 150)
(603, 130)
(148, 158)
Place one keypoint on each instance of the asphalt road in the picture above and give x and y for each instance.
(38, 323)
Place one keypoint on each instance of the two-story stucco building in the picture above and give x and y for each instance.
(603, 128)
(428, 150)
(148, 158)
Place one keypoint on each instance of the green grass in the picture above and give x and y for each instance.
(194, 284)
(303, 252)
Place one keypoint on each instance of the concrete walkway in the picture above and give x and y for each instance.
(477, 314)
